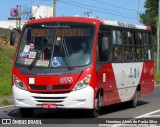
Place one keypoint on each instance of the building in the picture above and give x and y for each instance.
(10, 24)
(42, 11)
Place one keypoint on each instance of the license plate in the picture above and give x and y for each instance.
(51, 106)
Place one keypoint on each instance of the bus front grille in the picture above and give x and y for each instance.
(61, 87)
(54, 87)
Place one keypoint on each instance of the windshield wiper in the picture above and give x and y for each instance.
(66, 53)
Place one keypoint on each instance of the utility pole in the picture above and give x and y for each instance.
(54, 8)
(87, 13)
(20, 17)
(158, 32)
(18, 22)
(138, 11)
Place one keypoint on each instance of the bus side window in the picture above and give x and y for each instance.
(129, 53)
(118, 55)
(117, 37)
(146, 39)
(128, 46)
(148, 53)
(127, 38)
(139, 54)
(114, 37)
(115, 54)
(138, 38)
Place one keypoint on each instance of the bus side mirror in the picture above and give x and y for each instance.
(12, 38)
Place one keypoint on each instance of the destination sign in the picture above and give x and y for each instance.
(62, 32)
(40, 32)
(70, 32)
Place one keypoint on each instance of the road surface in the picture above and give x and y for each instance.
(148, 106)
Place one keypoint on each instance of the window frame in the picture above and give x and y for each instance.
(133, 31)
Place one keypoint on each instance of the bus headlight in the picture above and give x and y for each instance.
(18, 83)
(83, 83)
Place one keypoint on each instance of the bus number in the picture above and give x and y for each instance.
(66, 79)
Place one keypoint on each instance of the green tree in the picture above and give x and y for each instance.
(150, 16)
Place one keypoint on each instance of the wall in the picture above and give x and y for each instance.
(10, 24)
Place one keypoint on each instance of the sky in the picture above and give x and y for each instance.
(121, 10)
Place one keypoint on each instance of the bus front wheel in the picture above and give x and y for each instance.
(98, 103)
(26, 112)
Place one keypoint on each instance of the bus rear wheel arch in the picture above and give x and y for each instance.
(136, 96)
(139, 90)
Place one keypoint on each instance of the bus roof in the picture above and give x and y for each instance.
(67, 19)
(125, 25)
(91, 20)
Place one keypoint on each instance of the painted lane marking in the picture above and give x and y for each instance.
(147, 114)
(6, 106)
(153, 116)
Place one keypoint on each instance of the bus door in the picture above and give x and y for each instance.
(105, 75)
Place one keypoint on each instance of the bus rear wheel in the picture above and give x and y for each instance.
(26, 112)
(98, 103)
(135, 100)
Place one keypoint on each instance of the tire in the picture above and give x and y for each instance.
(12, 38)
(98, 103)
(26, 112)
(135, 100)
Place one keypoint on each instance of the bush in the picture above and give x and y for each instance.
(6, 56)
(4, 39)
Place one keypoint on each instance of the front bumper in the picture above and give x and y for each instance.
(80, 99)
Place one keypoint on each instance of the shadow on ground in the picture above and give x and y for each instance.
(120, 107)
(74, 114)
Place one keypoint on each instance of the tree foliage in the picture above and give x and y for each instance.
(150, 16)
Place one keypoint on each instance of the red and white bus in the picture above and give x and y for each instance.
(81, 63)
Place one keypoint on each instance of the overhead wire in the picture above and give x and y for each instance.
(114, 5)
(101, 8)
(101, 11)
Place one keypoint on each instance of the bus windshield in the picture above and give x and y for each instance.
(56, 45)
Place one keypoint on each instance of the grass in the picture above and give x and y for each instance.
(158, 78)
(4, 38)
(6, 102)
(157, 75)
(6, 56)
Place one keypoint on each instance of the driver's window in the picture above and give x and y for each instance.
(103, 50)
(24, 40)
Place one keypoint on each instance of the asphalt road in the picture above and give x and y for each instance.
(148, 106)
